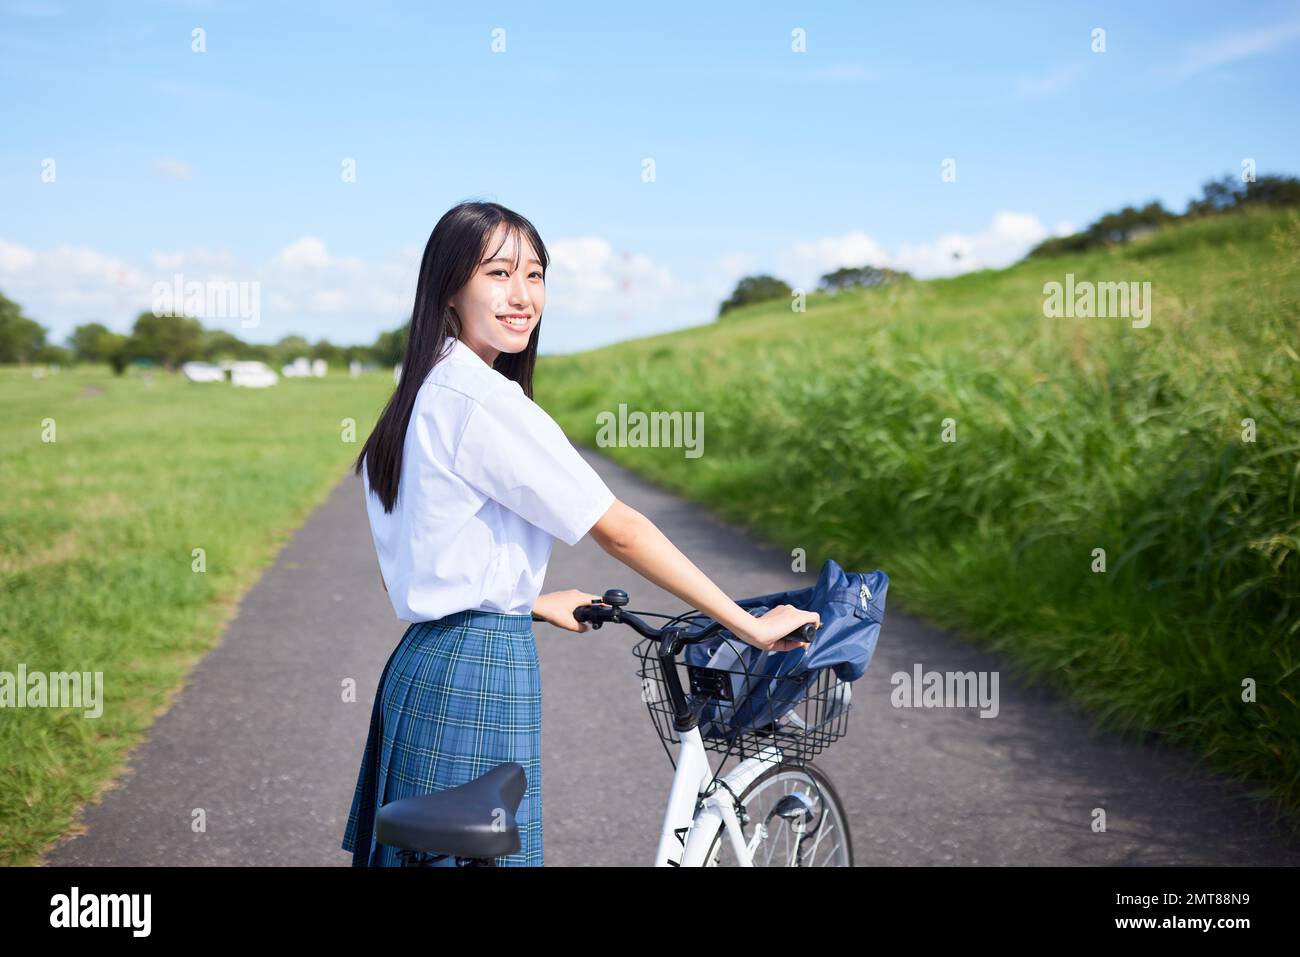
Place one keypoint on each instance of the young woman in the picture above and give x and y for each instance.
(467, 483)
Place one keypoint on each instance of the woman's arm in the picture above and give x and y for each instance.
(636, 541)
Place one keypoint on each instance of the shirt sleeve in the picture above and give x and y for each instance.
(516, 454)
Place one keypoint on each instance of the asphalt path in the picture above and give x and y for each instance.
(262, 741)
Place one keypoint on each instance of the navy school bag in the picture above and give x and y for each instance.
(766, 685)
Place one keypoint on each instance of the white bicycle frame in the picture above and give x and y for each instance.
(688, 833)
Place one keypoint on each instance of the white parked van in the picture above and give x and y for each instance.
(203, 372)
(252, 374)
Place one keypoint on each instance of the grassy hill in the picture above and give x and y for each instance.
(825, 430)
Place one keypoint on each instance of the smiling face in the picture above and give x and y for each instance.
(503, 300)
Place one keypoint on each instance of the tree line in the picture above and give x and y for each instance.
(169, 340)
(1218, 196)
(764, 288)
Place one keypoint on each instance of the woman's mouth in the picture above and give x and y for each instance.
(517, 323)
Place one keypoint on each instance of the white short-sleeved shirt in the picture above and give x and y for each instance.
(488, 481)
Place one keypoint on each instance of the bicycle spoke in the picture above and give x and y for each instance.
(822, 832)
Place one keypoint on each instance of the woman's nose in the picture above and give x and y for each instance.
(519, 290)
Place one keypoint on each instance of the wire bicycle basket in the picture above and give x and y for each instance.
(748, 700)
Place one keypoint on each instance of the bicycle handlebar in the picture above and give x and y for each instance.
(610, 608)
(672, 638)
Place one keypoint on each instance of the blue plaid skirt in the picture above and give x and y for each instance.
(458, 696)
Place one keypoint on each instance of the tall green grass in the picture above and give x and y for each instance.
(98, 531)
(823, 430)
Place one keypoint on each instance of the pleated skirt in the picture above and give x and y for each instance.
(458, 696)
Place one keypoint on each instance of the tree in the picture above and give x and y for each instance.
(219, 344)
(1060, 245)
(259, 351)
(362, 354)
(1273, 191)
(1217, 196)
(1120, 227)
(1110, 229)
(332, 354)
(752, 289)
(169, 340)
(390, 346)
(94, 342)
(290, 348)
(118, 357)
(52, 354)
(20, 338)
(859, 276)
(1229, 193)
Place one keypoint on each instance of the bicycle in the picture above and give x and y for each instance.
(774, 722)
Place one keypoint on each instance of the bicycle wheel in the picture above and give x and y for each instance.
(802, 820)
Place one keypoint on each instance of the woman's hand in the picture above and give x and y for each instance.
(557, 608)
(768, 632)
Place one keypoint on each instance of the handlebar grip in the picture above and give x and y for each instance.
(804, 632)
(582, 613)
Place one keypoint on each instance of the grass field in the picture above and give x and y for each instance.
(825, 430)
(98, 532)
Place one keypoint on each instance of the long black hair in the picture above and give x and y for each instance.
(456, 247)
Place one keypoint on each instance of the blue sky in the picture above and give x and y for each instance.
(226, 165)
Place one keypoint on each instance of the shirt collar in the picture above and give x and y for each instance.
(461, 352)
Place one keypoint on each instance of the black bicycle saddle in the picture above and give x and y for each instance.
(476, 819)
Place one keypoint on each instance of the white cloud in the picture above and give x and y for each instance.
(171, 168)
(596, 292)
(15, 259)
(69, 278)
(735, 264)
(1006, 239)
(199, 258)
(589, 277)
(305, 278)
(307, 289)
(1234, 47)
(306, 253)
(808, 261)
(300, 285)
